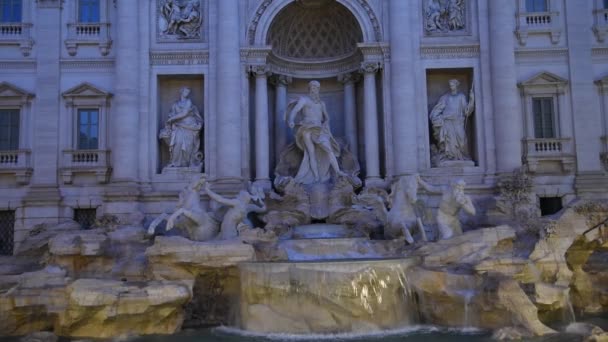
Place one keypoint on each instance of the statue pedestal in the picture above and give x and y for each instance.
(456, 163)
(181, 173)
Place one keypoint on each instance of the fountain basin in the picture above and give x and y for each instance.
(337, 248)
(324, 231)
(326, 296)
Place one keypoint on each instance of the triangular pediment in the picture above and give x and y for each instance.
(10, 90)
(543, 79)
(85, 90)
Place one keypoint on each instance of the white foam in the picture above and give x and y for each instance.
(410, 330)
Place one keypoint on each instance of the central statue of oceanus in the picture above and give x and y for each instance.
(309, 119)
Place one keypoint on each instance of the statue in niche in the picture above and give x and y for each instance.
(180, 18)
(444, 15)
(453, 199)
(182, 132)
(402, 217)
(449, 120)
(190, 215)
(238, 208)
(313, 137)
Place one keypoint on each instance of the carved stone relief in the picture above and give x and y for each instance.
(444, 16)
(180, 19)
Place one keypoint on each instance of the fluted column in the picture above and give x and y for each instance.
(125, 121)
(508, 127)
(262, 146)
(350, 110)
(403, 87)
(280, 133)
(228, 90)
(370, 115)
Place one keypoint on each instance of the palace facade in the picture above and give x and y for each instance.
(93, 115)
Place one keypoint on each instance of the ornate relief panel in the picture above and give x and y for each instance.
(445, 17)
(180, 20)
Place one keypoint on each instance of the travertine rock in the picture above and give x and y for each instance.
(37, 242)
(178, 258)
(107, 308)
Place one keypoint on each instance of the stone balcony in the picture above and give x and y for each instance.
(17, 34)
(17, 163)
(600, 27)
(549, 155)
(88, 34)
(92, 162)
(538, 23)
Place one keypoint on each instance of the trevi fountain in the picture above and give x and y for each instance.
(302, 170)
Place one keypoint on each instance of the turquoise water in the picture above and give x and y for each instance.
(410, 334)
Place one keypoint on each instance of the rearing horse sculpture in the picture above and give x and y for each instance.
(402, 217)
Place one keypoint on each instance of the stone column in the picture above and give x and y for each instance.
(403, 87)
(125, 121)
(350, 110)
(370, 115)
(262, 146)
(228, 92)
(280, 132)
(508, 127)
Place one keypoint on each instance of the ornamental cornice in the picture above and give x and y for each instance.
(375, 51)
(314, 69)
(187, 57)
(449, 51)
(95, 64)
(370, 67)
(541, 53)
(255, 54)
(28, 65)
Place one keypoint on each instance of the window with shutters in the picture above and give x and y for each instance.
(548, 145)
(10, 11)
(7, 231)
(88, 11)
(88, 129)
(536, 6)
(9, 129)
(542, 109)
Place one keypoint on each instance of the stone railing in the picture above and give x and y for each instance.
(17, 34)
(88, 34)
(538, 22)
(600, 27)
(18, 163)
(559, 150)
(86, 161)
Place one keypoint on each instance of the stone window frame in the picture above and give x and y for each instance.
(559, 148)
(17, 162)
(19, 33)
(600, 20)
(539, 23)
(88, 33)
(87, 96)
(543, 85)
(75, 160)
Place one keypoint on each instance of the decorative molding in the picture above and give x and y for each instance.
(599, 51)
(349, 77)
(29, 65)
(188, 57)
(50, 3)
(323, 69)
(193, 34)
(281, 80)
(541, 53)
(87, 64)
(446, 18)
(255, 54)
(253, 25)
(449, 52)
(370, 67)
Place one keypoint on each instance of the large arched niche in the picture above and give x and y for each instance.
(314, 38)
(266, 12)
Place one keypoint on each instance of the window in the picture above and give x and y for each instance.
(10, 11)
(605, 4)
(536, 6)
(88, 129)
(7, 227)
(9, 129)
(542, 108)
(85, 217)
(88, 11)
